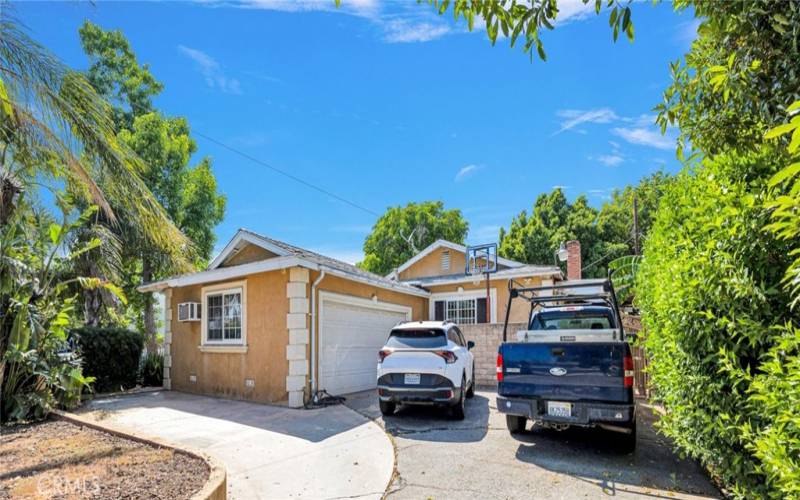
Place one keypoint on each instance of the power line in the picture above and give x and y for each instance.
(605, 256)
(286, 174)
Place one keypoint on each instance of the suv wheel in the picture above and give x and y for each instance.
(457, 411)
(387, 407)
(471, 390)
(516, 423)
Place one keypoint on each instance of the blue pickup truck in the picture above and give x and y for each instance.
(573, 364)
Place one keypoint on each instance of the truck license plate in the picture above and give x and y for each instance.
(412, 379)
(556, 409)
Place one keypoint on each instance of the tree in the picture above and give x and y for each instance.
(402, 232)
(188, 194)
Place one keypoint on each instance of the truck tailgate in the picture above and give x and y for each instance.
(566, 371)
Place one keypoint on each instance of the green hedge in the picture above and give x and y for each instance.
(725, 360)
(111, 355)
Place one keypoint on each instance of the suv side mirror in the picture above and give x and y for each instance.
(470, 344)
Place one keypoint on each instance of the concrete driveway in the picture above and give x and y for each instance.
(268, 451)
(441, 458)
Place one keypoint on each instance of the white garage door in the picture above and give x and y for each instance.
(352, 331)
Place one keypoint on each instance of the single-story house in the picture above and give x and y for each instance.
(271, 322)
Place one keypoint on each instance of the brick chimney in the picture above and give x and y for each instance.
(573, 260)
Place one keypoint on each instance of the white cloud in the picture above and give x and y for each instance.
(574, 10)
(211, 71)
(562, 187)
(574, 117)
(467, 171)
(409, 31)
(644, 137)
(611, 160)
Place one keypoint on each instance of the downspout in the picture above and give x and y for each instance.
(314, 333)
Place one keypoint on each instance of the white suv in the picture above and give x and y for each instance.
(426, 362)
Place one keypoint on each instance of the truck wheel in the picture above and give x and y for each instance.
(516, 423)
(627, 442)
(457, 411)
(471, 390)
(387, 407)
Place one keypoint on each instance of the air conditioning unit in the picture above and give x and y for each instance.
(189, 311)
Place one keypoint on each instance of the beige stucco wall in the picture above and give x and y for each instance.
(268, 337)
(224, 374)
(519, 308)
(419, 305)
(431, 265)
(250, 253)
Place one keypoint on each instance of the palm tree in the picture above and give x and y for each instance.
(55, 127)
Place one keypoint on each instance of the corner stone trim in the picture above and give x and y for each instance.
(297, 325)
(167, 383)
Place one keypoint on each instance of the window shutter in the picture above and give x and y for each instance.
(481, 310)
(438, 310)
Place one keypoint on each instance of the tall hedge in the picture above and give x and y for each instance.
(111, 355)
(725, 360)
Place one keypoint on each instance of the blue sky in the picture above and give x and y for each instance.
(384, 103)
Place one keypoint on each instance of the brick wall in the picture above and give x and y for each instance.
(487, 338)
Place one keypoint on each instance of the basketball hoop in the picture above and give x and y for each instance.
(482, 260)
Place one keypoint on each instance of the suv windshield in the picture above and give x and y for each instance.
(423, 338)
(572, 320)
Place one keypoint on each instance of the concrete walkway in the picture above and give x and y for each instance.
(269, 452)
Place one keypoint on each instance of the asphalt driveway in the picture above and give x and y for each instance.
(440, 458)
(268, 451)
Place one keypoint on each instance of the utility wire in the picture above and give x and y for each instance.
(584, 268)
(286, 174)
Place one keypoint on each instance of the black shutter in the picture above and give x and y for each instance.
(481, 312)
(438, 310)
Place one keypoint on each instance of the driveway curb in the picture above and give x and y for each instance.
(216, 485)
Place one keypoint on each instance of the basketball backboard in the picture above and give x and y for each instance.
(481, 259)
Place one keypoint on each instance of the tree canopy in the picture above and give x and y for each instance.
(604, 234)
(401, 232)
(188, 194)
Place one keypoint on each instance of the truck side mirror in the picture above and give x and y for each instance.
(631, 337)
(470, 344)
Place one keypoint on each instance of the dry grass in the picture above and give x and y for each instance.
(58, 459)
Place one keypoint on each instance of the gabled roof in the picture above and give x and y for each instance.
(452, 246)
(287, 256)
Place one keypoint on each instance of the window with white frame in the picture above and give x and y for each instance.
(224, 316)
(460, 310)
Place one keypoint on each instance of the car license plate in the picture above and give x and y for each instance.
(412, 379)
(556, 409)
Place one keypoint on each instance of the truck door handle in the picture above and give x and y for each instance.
(557, 351)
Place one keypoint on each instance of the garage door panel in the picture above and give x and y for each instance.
(350, 337)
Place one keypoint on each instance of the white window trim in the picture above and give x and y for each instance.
(466, 294)
(234, 286)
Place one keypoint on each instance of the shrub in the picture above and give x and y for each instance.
(724, 362)
(111, 355)
(152, 369)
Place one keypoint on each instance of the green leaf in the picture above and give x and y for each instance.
(795, 142)
(779, 131)
(55, 233)
(785, 173)
(795, 106)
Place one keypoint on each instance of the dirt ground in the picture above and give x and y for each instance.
(57, 459)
